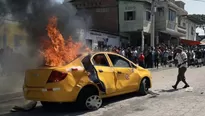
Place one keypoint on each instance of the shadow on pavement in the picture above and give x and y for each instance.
(169, 90)
(40, 111)
(111, 100)
(68, 109)
(153, 96)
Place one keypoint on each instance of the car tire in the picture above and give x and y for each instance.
(144, 87)
(88, 99)
(50, 105)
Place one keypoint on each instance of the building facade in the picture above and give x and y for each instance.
(135, 20)
(185, 23)
(104, 16)
(11, 35)
(168, 29)
(191, 30)
(103, 13)
(132, 19)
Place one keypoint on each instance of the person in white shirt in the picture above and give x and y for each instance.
(123, 52)
(181, 57)
(135, 55)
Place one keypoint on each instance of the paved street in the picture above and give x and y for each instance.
(168, 103)
(11, 83)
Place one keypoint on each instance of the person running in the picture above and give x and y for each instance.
(181, 57)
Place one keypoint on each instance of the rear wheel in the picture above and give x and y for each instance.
(144, 87)
(89, 99)
(51, 105)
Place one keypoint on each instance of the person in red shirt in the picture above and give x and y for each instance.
(117, 51)
(141, 60)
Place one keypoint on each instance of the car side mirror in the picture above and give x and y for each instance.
(132, 66)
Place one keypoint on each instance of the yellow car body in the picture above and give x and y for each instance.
(68, 81)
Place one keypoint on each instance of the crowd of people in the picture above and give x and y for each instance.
(149, 58)
(161, 55)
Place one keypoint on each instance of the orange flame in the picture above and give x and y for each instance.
(57, 51)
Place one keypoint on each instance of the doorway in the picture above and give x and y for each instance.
(89, 43)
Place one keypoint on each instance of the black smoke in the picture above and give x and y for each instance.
(33, 17)
(34, 14)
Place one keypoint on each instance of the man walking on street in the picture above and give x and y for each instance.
(181, 57)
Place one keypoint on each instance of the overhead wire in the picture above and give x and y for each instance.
(198, 0)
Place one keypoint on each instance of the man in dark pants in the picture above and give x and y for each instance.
(181, 57)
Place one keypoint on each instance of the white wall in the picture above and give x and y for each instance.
(98, 36)
(190, 36)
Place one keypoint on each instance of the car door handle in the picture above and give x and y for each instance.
(100, 71)
(118, 72)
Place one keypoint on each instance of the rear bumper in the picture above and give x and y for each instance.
(55, 94)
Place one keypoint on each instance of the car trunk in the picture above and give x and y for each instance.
(37, 77)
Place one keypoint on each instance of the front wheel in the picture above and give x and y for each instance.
(144, 87)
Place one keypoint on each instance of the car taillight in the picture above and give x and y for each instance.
(56, 76)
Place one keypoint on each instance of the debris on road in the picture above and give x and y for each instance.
(152, 96)
(29, 105)
(189, 89)
(152, 93)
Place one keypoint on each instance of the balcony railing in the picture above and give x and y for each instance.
(182, 27)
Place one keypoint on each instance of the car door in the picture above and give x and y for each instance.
(104, 71)
(126, 74)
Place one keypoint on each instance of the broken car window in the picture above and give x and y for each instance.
(118, 61)
(100, 60)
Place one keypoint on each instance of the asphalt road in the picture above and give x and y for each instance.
(167, 103)
(11, 83)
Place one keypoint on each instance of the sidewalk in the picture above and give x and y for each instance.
(10, 96)
(161, 68)
(10, 86)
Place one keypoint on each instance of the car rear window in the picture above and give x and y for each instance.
(86, 62)
(44, 65)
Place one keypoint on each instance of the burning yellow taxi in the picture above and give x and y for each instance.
(86, 80)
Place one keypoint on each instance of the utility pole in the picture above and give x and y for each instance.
(153, 11)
